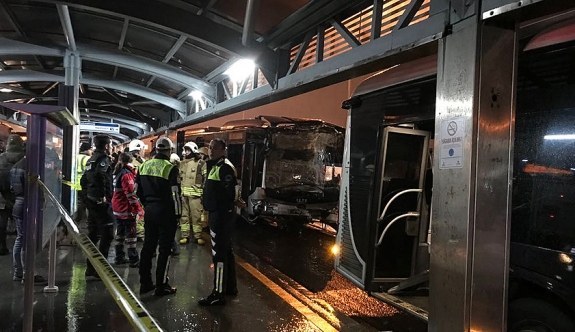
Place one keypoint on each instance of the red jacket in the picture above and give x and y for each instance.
(125, 203)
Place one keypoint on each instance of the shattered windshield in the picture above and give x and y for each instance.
(310, 158)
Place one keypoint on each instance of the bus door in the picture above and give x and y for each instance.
(399, 197)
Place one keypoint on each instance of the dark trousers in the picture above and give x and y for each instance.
(4, 215)
(100, 228)
(160, 227)
(126, 235)
(81, 210)
(221, 228)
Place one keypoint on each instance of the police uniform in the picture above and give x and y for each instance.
(159, 191)
(97, 193)
(219, 198)
(192, 173)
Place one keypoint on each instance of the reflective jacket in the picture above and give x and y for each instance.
(81, 162)
(193, 174)
(125, 203)
(96, 181)
(220, 187)
(158, 181)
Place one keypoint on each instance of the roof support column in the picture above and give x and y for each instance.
(68, 95)
(475, 113)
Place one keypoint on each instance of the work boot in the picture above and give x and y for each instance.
(184, 240)
(146, 287)
(175, 249)
(200, 241)
(214, 298)
(165, 289)
(232, 292)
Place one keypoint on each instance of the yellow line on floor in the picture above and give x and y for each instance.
(310, 315)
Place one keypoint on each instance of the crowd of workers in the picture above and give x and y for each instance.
(124, 199)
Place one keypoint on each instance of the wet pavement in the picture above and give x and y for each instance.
(286, 283)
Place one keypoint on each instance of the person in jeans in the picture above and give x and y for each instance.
(18, 186)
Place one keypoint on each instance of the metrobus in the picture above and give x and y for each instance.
(386, 231)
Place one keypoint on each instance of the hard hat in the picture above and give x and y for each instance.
(135, 145)
(174, 158)
(192, 146)
(203, 150)
(163, 143)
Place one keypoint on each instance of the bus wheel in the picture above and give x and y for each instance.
(534, 315)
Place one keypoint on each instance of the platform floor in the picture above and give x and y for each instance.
(82, 305)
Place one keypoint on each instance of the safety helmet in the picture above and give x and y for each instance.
(203, 150)
(192, 146)
(135, 145)
(174, 158)
(164, 144)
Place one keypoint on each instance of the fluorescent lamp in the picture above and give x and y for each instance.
(240, 70)
(5, 90)
(197, 95)
(559, 137)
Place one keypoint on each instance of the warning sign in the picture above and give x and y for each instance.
(451, 142)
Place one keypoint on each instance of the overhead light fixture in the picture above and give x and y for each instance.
(197, 95)
(5, 90)
(559, 137)
(241, 69)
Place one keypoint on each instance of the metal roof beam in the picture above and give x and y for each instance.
(9, 76)
(133, 62)
(66, 22)
(177, 45)
(121, 42)
(345, 33)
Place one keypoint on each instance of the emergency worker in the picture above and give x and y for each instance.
(203, 152)
(81, 162)
(220, 196)
(97, 194)
(134, 148)
(126, 207)
(193, 174)
(159, 191)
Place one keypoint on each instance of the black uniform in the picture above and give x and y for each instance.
(219, 198)
(97, 193)
(159, 192)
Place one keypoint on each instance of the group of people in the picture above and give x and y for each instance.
(167, 193)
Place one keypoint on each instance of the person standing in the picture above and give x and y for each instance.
(81, 162)
(135, 149)
(159, 191)
(126, 207)
(97, 194)
(220, 196)
(193, 174)
(15, 150)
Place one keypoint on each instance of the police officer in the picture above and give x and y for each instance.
(192, 173)
(159, 192)
(97, 194)
(220, 195)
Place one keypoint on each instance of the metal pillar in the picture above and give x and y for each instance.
(472, 178)
(33, 202)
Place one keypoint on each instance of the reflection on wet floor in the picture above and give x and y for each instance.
(84, 305)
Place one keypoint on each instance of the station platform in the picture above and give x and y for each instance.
(268, 300)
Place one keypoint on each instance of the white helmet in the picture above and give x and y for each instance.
(174, 158)
(164, 144)
(135, 145)
(192, 146)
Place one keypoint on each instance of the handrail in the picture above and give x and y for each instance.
(405, 215)
(136, 313)
(394, 197)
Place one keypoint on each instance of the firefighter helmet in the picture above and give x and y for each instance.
(164, 144)
(203, 150)
(174, 159)
(135, 145)
(192, 146)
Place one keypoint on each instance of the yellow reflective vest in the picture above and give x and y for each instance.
(81, 162)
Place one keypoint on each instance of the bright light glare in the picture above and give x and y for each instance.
(240, 70)
(559, 137)
(197, 95)
(5, 90)
(564, 258)
(335, 249)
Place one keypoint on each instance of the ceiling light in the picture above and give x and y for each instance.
(559, 137)
(5, 90)
(241, 69)
(197, 95)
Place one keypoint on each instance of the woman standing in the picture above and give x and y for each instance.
(126, 207)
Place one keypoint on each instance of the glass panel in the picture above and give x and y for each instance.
(52, 178)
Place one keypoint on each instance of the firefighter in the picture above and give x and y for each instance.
(81, 162)
(220, 196)
(126, 207)
(134, 148)
(159, 191)
(97, 194)
(192, 173)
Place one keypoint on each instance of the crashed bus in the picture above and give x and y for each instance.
(289, 169)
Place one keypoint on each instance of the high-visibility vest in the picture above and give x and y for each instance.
(156, 167)
(81, 162)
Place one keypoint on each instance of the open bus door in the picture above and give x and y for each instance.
(398, 230)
